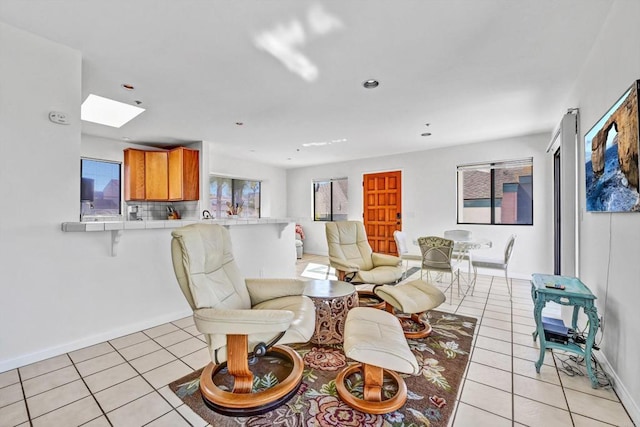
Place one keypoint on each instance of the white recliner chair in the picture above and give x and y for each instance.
(240, 318)
(352, 257)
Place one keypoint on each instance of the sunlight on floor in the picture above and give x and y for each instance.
(319, 271)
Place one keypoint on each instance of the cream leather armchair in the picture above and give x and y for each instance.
(353, 259)
(239, 316)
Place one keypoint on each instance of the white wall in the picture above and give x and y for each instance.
(274, 180)
(429, 196)
(63, 291)
(60, 290)
(610, 243)
(107, 149)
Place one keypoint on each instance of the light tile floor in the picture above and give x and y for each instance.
(123, 382)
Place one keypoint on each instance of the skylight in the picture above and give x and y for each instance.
(107, 112)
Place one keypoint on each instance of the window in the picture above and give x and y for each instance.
(99, 188)
(496, 193)
(240, 194)
(330, 201)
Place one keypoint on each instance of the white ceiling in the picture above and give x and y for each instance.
(474, 69)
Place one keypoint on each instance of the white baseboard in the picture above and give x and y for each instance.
(57, 350)
(625, 397)
(318, 253)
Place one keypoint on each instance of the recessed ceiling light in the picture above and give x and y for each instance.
(370, 84)
(426, 134)
(127, 86)
(107, 112)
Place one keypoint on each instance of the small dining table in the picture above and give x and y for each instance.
(462, 249)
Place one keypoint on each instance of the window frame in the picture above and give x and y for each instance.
(313, 194)
(492, 166)
(120, 192)
(235, 189)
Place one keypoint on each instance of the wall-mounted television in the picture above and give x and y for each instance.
(611, 157)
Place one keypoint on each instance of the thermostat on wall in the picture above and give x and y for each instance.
(58, 117)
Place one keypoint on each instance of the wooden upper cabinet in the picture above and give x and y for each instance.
(156, 175)
(161, 175)
(134, 174)
(184, 174)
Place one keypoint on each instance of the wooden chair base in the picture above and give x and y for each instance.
(424, 327)
(407, 320)
(370, 299)
(373, 380)
(246, 403)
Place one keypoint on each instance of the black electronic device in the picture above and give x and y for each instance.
(555, 330)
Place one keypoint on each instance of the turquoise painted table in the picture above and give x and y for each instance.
(576, 294)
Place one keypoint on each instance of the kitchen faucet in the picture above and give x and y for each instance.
(206, 214)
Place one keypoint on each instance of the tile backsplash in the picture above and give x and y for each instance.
(151, 211)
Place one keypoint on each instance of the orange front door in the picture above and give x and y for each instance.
(382, 209)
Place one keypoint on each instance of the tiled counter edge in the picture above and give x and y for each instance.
(174, 223)
(117, 227)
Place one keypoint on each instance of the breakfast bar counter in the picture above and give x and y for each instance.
(247, 231)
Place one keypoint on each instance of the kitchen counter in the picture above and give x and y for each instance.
(117, 227)
(172, 223)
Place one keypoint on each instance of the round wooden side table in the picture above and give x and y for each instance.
(333, 299)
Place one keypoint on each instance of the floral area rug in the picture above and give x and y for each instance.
(442, 356)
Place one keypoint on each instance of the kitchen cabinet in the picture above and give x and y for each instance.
(161, 175)
(184, 174)
(156, 175)
(134, 174)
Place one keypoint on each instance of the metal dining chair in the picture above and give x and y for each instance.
(436, 256)
(501, 263)
(403, 250)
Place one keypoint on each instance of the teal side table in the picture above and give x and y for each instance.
(575, 293)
